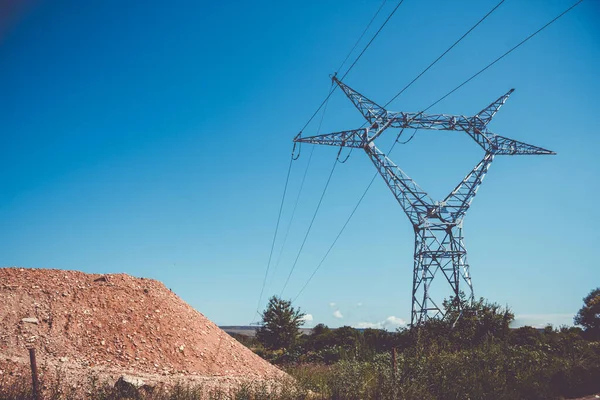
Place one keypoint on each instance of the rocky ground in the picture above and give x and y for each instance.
(110, 325)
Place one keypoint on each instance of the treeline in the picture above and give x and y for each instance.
(472, 353)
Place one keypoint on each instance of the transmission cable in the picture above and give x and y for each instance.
(304, 127)
(352, 66)
(309, 227)
(421, 112)
(438, 59)
(343, 227)
(287, 232)
(372, 39)
(412, 136)
(502, 56)
(361, 35)
(444, 53)
(315, 113)
(287, 179)
(325, 105)
(409, 139)
(312, 149)
(336, 239)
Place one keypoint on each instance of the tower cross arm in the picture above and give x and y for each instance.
(473, 126)
(372, 111)
(485, 116)
(355, 138)
(504, 146)
(442, 122)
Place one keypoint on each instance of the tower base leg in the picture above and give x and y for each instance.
(439, 249)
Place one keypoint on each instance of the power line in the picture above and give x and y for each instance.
(299, 191)
(287, 179)
(372, 39)
(336, 238)
(444, 53)
(351, 66)
(438, 59)
(502, 56)
(344, 226)
(287, 231)
(433, 104)
(324, 103)
(319, 130)
(309, 227)
(361, 35)
(375, 175)
(304, 127)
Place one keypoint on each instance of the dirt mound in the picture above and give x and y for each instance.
(115, 322)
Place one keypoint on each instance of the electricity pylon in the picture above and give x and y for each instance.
(437, 224)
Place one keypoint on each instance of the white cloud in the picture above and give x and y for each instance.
(390, 322)
(332, 304)
(338, 314)
(394, 321)
(307, 317)
(367, 325)
(542, 320)
(358, 304)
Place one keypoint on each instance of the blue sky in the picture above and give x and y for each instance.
(153, 138)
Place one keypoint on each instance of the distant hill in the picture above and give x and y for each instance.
(251, 330)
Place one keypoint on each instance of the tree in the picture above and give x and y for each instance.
(280, 323)
(589, 315)
(467, 324)
(346, 337)
(320, 329)
(526, 336)
(321, 337)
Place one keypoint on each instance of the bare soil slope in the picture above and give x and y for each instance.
(115, 322)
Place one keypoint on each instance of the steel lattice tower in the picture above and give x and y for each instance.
(437, 224)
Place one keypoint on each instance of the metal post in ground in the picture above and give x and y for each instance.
(34, 375)
(394, 363)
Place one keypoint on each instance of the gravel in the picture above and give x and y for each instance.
(109, 325)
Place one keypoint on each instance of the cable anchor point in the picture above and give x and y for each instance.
(294, 156)
(345, 159)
